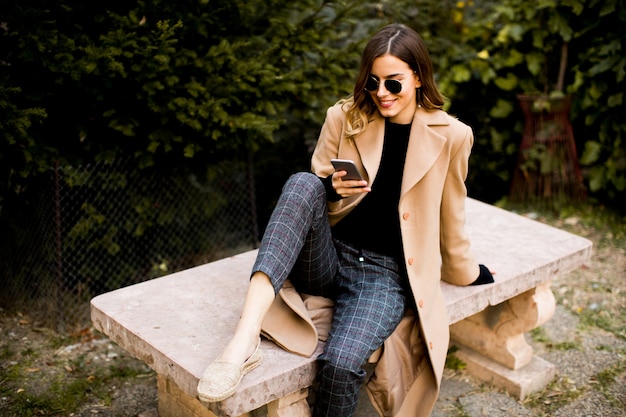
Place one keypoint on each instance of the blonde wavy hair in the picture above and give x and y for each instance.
(405, 44)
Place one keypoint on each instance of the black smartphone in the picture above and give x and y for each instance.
(348, 166)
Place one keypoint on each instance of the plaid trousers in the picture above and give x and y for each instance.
(370, 290)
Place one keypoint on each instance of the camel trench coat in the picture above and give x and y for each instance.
(406, 380)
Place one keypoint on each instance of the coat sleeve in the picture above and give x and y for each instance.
(327, 146)
(458, 264)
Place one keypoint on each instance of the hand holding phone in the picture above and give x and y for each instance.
(352, 172)
(352, 182)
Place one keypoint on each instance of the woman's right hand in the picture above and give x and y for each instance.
(349, 187)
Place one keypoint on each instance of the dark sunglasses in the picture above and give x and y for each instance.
(393, 86)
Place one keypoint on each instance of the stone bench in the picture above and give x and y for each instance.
(179, 323)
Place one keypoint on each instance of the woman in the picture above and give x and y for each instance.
(377, 247)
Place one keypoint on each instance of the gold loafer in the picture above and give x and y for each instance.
(221, 379)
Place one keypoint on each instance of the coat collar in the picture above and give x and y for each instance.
(424, 148)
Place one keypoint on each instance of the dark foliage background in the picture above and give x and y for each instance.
(186, 86)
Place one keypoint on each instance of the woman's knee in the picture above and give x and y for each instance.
(305, 183)
(344, 363)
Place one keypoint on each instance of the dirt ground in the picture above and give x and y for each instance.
(85, 374)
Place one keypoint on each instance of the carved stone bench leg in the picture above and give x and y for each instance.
(173, 402)
(292, 405)
(493, 344)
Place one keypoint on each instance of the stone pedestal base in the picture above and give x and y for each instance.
(173, 402)
(293, 405)
(495, 348)
(533, 377)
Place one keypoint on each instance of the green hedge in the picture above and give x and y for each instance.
(183, 83)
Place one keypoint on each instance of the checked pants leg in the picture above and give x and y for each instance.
(370, 305)
(297, 242)
(369, 289)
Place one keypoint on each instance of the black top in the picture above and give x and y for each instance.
(374, 224)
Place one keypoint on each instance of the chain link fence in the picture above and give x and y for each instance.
(108, 225)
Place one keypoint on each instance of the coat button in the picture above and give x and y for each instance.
(406, 215)
(420, 303)
(430, 345)
(410, 261)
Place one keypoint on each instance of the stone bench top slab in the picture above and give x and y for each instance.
(179, 323)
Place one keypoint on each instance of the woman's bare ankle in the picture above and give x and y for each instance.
(239, 349)
(259, 298)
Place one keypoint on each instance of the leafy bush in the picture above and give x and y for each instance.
(508, 47)
(186, 82)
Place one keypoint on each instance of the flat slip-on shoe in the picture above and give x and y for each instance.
(221, 379)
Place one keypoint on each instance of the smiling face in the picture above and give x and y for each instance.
(400, 107)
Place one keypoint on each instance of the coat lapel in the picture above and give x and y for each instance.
(424, 148)
(370, 145)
